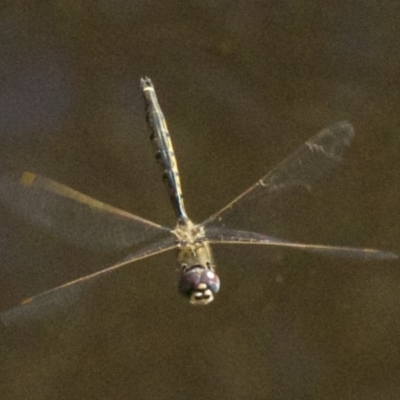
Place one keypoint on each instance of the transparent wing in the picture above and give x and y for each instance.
(231, 236)
(61, 298)
(73, 216)
(262, 203)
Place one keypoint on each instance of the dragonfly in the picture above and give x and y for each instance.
(84, 221)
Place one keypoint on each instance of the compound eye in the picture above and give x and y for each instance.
(199, 285)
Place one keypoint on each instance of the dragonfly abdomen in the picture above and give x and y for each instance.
(165, 155)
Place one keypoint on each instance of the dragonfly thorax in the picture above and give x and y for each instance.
(188, 233)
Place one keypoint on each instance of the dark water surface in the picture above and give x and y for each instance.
(242, 84)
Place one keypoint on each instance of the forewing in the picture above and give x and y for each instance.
(73, 216)
(264, 202)
(60, 299)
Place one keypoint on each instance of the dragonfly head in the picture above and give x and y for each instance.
(199, 285)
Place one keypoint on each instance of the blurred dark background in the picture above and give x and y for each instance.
(242, 84)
